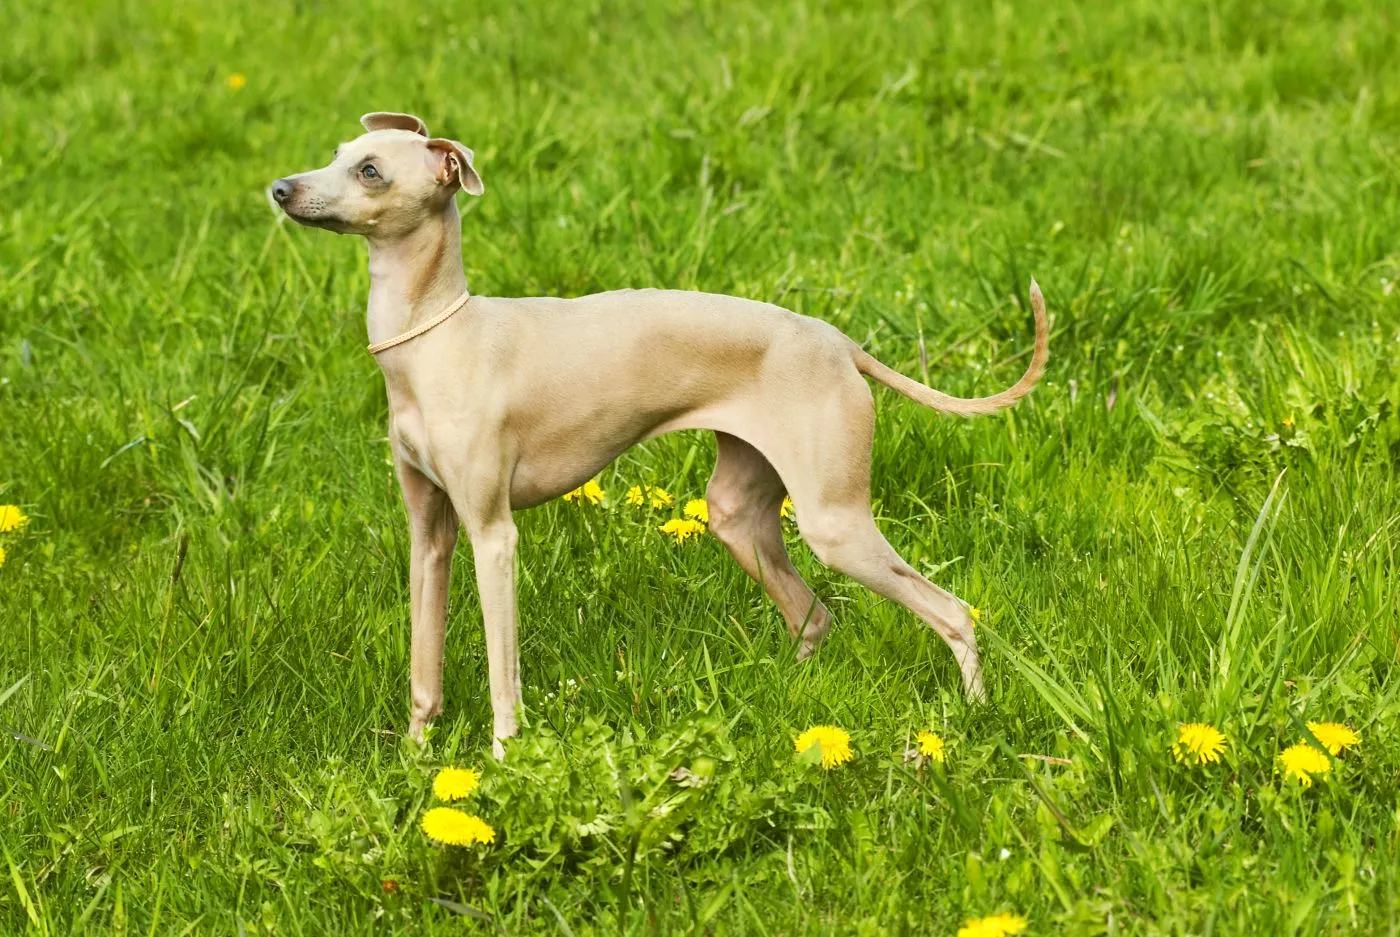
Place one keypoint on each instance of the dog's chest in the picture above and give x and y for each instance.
(409, 438)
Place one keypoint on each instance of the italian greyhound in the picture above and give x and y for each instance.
(501, 404)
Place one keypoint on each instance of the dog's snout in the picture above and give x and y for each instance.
(282, 190)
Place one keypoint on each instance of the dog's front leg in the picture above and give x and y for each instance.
(432, 526)
(493, 538)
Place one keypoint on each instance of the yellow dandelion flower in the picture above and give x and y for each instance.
(1334, 736)
(2, 556)
(455, 783)
(931, 746)
(1288, 420)
(454, 828)
(698, 509)
(1302, 761)
(1200, 741)
(237, 81)
(976, 614)
(656, 497)
(11, 518)
(833, 742)
(786, 509)
(589, 491)
(998, 925)
(681, 529)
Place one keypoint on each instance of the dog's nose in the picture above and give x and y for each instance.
(282, 190)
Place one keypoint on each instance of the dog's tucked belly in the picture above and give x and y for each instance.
(550, 471)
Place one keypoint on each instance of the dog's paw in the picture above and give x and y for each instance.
(498, 749)
(420, 731)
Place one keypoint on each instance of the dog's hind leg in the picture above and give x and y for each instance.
(745, 497)
(827, 466)
(850, 543)
(844, 537)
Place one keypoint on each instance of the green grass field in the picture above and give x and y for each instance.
(1195, 518)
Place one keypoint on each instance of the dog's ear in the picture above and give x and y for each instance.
(388, 120)
(454, 163)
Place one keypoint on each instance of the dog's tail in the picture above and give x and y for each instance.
(967, 406)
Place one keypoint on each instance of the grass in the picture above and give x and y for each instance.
(203, 672)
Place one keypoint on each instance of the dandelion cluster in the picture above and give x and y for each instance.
(448, 825)
(682, 529)
(589, 491)
(1198, 742)
(997, 925)
(639, 495)
(1303, 761)
(12, 521)
(453, 827)
(696, 513)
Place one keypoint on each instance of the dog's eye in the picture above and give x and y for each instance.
(369, 172)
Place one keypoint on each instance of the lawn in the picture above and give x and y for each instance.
(1194, 519)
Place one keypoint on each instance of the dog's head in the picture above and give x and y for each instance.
(383, 183)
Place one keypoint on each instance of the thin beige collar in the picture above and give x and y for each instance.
(413, 333)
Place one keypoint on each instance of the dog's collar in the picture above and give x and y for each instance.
(413, 333)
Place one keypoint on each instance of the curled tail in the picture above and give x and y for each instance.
(967, 406)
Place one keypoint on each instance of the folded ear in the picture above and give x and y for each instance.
(388, 120)
(455, 165)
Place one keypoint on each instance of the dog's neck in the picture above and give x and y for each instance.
(415, 277)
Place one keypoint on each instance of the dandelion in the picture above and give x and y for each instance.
(1334, 736)
(237, 81)
(998, 925)
(1200, 741)
(976, 614)
(1288, 420)
(455, 783)
(589, 491)
(698, 509)
(786, 509)
(682, 529)
(931, 746)
(2, 556)
(833, 743)
(452, 827)
(11, 518)
(657, 497)
(1302, 761)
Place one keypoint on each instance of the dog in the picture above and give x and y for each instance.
(501, 404)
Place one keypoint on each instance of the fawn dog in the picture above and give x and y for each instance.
(511, 402)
